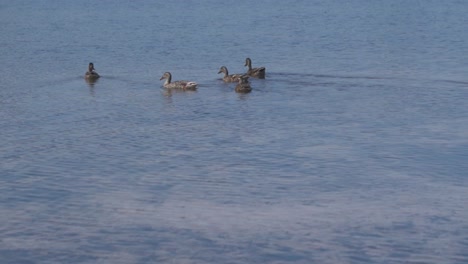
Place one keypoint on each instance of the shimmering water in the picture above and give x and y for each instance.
(354, 148)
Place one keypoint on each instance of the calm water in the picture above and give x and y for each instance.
(354, 148)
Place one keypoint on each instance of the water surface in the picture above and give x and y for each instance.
(352, 150)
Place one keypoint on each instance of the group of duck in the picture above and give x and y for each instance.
(243, 84)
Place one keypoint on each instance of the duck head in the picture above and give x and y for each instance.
(244, 79)
(91, 67)
(167, 76)
(223, 69)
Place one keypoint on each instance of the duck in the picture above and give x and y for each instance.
(244, 85)
(254, 72)
(91, 74)
(227, 77)
(185, 85)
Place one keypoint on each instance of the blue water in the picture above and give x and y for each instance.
(353, 149)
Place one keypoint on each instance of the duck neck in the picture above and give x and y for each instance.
(168, 80)
(249, 64)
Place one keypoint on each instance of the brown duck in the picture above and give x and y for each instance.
(91, 74)
(185, 85)
(244, 85)
(254, 72)
(227, 77)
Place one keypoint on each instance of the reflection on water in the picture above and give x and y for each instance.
(91, 83)
(171, 92)
(352, 150)
(243, 96)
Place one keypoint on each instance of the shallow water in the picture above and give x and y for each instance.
(352, 150)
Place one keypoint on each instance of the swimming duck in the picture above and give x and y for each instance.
(91, 74)
(243, 86)
(254, 72)
(185, 85)
(227, 77)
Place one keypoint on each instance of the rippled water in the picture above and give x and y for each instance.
(353, 149)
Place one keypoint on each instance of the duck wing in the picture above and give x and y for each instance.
(186, 85)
